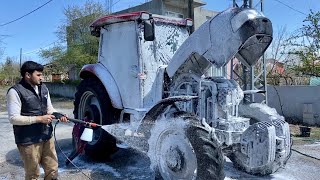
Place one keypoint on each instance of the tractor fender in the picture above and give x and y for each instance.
(161, 106)
(102, 73)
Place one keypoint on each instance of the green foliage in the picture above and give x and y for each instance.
(9, 71)
(82, 47)
(310, 64)
(306, 43)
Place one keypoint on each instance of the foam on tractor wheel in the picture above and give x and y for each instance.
(180, 148)
(261, 113)
(257, 151)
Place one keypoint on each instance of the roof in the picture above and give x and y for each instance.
(110, 19)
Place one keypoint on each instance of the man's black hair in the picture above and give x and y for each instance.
(30, 67)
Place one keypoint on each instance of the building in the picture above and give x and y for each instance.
(172, 8)
(275, 67)
(175, 8)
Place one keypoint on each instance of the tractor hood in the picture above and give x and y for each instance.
(237, 32)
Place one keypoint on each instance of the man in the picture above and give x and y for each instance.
(29, 109)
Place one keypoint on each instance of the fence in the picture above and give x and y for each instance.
(61, 89)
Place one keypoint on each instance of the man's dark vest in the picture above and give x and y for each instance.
(32, 104)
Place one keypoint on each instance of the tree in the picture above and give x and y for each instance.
(306, 46)
(82, 47)
(9, 71)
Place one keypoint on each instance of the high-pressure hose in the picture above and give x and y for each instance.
(58, 116)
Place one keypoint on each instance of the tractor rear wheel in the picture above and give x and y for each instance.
(180, 148)
(92, 102)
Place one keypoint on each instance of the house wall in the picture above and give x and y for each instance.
(201, 15)
(299, 104)
(154, 7)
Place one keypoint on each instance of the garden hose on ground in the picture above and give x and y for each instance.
(58, 116)
(56, 142)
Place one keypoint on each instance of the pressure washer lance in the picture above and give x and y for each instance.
(59, 115)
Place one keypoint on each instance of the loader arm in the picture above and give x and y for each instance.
(237, 32)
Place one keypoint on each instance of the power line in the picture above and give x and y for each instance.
(291, 7)
(39, 49)
(115, 3)
(26, 14)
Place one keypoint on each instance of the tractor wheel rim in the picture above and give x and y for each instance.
(176, 157)
(90, 107)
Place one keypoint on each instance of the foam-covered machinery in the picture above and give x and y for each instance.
(151, 91)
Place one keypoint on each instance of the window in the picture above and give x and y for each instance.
(174, 14)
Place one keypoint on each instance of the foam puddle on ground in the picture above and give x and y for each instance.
(90, 167)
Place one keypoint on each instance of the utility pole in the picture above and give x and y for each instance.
(250, 3)
(249, 79)
(234, 4)
(20, 57)
(264, 63)
(191, 13)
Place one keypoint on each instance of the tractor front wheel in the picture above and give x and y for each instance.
(180, 148)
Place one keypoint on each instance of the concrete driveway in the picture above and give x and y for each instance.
(130, 164)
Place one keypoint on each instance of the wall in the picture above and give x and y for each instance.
(154, 7)
(159, 7)
(290, 101)
(60, 89)
(201, 15)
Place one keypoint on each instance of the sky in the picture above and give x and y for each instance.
(37, 30)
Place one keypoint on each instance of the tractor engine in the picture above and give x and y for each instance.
(252, 138)
(255, 138)
(218, 104)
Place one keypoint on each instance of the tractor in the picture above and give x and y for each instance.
(150, 89)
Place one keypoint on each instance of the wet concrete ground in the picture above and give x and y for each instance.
(130, 164)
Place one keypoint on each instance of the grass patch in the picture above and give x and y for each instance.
(297, 139)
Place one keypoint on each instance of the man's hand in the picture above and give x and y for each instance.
(61, 117)
(64, 118)
(45, 119)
